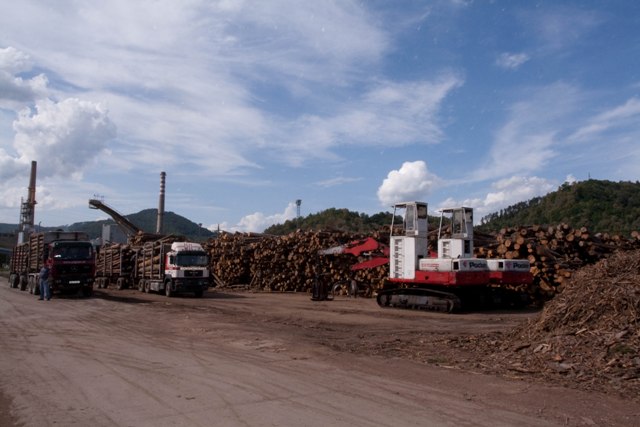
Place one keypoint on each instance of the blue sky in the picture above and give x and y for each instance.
(251, 105)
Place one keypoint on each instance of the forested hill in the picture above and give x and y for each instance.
(334, 219)
(602, 206)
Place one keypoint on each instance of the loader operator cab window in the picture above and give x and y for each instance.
(409, 220)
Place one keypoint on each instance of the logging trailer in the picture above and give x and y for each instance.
(167, 264)
(68, 254)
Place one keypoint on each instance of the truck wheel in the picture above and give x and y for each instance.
(147, 286)
(198, 293)
(141, 285)
(87, 291)
(23, 283)
(167, 289)
(120, 283)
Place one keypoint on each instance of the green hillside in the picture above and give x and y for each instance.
(340, 220)
(602, 206)
(145, 220)
(334, 219)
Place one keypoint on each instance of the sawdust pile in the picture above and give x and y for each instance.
(588, 335)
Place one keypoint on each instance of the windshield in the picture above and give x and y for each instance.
(192, 259)
(72, 251)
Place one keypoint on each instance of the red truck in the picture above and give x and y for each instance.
(68, 254)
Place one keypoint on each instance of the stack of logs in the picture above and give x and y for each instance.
(114, 260)
(554, 252)
(149, 257)
(286, 263)
(292, 263)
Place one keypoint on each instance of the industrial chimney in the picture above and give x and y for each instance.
(160, 222)
(27, 211)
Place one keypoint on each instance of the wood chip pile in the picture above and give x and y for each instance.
(589, 334)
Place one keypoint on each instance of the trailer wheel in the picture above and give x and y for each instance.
(167, 289)
(120, 283)
(23, 283)
(141, 285)
(147, 286)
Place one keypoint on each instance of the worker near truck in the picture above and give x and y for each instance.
(45, 289)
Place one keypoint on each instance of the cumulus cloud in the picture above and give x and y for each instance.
(16, 91)
(63, 137)
(257, 222)
(412, 181)
(511, 61)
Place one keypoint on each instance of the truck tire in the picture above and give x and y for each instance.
(141, 285)
(198, 293)
(23, 283)
(87, 291)
(120, 283)
(167, 289)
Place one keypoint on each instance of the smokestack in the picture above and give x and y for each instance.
(27, 209)
(160, 222)
(31, 200)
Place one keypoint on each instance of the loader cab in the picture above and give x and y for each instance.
(455, 233)
(408, 239)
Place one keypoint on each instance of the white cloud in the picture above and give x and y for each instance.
(389, 114)
(15, 91)
(257, 222)
(63, 137)
(334, 182)
(511, 60)
(505, 192)
(411, 182)
(559, 27)
(533, 132)
(622, 118)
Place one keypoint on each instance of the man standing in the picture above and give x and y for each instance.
(45, 289)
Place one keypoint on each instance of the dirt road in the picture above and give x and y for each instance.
(122, 358)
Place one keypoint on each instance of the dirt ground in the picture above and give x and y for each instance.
(236, 358)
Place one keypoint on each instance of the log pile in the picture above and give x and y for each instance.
(289, 263)
(114, 260)
(149, 257)
(554, 252)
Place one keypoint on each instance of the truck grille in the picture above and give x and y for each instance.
(192, 273)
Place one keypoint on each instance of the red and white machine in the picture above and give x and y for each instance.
(452, 279)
